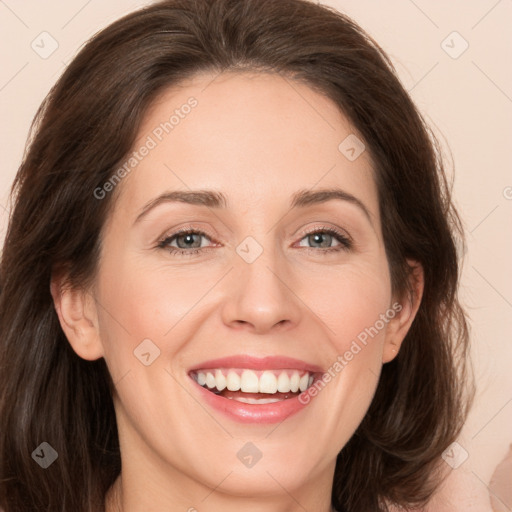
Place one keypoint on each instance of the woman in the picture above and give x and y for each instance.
(172, 336)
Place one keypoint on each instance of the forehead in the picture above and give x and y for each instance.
(256, 137)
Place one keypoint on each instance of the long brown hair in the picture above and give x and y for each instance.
(81, 133)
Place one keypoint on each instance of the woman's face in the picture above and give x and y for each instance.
(252, 286)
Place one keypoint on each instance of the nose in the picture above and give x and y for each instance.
(261, 295)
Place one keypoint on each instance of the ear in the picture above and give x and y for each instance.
(77, 312)
(406, 308)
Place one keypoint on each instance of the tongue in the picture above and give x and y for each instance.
(239, 394)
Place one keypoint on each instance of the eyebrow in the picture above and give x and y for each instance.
(215, 199)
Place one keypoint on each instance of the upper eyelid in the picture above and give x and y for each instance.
(339, 231)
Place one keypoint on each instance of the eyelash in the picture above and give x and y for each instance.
(345, 242)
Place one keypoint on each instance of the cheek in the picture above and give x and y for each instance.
(355, 307)
(149, 301)
(141, 302)
(350, 301)
(355, 326)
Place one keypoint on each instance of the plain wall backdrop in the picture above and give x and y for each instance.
(454, 59)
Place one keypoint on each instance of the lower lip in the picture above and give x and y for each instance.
(252, 413)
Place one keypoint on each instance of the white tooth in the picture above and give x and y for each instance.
(220, 380)
(294, 382)
(283, 383)
(256, 401)
(303, 384)
(210, 380)
(233, 381)
(268, 383)
(249, 382)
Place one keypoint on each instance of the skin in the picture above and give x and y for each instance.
(258, 140)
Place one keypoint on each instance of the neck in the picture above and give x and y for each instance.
(114, 501)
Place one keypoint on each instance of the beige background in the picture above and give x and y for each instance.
(467, 99)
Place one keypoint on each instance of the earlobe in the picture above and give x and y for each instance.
(399, 326)
(78, 318)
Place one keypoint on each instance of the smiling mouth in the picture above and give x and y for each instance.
(253, 386)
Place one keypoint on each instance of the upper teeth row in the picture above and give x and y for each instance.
(249, 381)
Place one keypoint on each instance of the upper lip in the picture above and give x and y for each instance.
(258, 363)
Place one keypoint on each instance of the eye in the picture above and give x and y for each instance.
(324, 236)
(188, 242)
